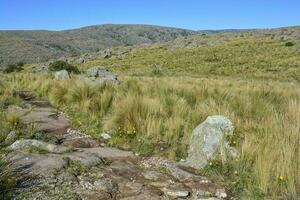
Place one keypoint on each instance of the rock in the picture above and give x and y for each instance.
(85, 158)
(10, 138)
(221, 193)
(25, 95)
(46, 120)
(100, 74)
(39, 164)
(178, 194)
(80, 60)
(28, 144)
(107, 185)
(208, 140)
(62, 75)
(40, 103)
(81, 142)
(105, 136)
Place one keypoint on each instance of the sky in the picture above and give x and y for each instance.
(190, 14)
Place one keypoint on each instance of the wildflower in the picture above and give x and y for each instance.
(280, 178)
(210, 163)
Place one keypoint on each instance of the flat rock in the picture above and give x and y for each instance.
(108, 152)
(81, 142)
(29, 144)
(39, 164)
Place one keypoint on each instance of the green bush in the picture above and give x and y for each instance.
(289, 44)
(12, 179)
(62, 65)
(14, 67)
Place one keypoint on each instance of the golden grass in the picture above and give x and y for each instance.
(166, 110)
(248, 57)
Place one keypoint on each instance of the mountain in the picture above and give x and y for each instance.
(42, 45)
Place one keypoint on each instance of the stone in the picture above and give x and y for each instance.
(39, 164)
(62, 75)
(105, 136)
(28, 144)
(108, 152)
(221, 193)
(208, 140)
(100, 74)
(85, 158)
(25, 95)
(11, 137)
(45, 120)
(80, 142)
(178, 194)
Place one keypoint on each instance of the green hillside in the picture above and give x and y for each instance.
(247, 56)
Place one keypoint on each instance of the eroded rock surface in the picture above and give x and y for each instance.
(87, 171)
(41, 115)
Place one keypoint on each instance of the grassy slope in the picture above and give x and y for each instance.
(243, 57)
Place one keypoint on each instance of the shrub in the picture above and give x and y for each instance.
(10, 180)
(289, 44)
(20, 64)
(14, 67)
(155, 70)
(62, 65)
(145, 147)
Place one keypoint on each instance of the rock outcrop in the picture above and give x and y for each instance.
(209, 140)
(41, 115)
(62, 75)
(100, 74)
(76, 167)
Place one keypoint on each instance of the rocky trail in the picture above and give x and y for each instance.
(68, 164)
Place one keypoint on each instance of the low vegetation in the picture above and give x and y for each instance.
(14, 67)
(62, 65)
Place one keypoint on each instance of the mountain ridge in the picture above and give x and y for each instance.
(31, 46)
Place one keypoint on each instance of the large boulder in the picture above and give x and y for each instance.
(208, 140)
(100, 74)
(62, 75)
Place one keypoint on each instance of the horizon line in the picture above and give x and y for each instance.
(163, 26)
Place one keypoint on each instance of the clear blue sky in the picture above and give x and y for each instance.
(192, 14)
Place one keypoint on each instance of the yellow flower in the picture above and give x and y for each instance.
(210, 163)
(281, 178)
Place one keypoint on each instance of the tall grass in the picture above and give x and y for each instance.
(163, 112)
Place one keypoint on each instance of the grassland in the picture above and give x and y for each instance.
(243, 57)
(148, 113)
(166, 93)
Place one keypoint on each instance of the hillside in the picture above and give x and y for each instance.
(40, 45)
(244, 56)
